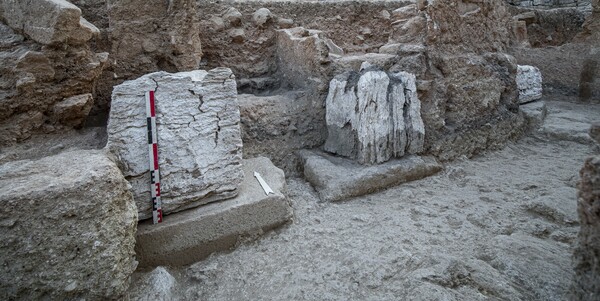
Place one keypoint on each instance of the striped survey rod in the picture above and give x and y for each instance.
(157, 216)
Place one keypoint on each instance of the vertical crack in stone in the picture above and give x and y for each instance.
(218, 130)
(383, 111)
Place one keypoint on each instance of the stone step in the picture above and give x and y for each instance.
(190, 236)
(570, 121)
(337, 178)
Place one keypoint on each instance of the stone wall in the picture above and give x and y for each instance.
(574, 69)
(553, 27)
(467, 86)
(45, 61)
(231, 37)
(455, 49)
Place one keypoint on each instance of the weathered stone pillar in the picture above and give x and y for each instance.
(373, 116)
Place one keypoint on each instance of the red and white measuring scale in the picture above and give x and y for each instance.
(157, 215)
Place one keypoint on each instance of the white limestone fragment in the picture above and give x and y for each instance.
(373, 116)
(529, 82)
(199, 140)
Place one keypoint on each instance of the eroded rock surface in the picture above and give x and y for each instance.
(48, 22)
(199, 141)
(586, 258)
(374, 116)
(163, 35)
(465, 79)
(68, 228)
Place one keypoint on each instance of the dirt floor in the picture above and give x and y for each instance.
(497, 227)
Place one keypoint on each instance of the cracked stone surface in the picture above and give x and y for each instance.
(199, 140)
(373, 116)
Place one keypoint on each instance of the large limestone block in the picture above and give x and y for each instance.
(48, 21)
(38, 83)
(373, 116)
(190, 236)
(199, 140)
(338, 178)
(529, 82)
(67, 229)
(587, 253)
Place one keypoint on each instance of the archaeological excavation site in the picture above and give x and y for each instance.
(299, 150)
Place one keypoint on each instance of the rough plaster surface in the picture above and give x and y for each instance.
(199, 140)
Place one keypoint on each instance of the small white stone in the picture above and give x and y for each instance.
(529, 82)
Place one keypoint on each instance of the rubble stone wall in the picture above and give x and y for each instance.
(544, 4)
(469, 90)
(231, 38)
(45, 60)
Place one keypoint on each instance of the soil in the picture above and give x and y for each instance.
(500, 226)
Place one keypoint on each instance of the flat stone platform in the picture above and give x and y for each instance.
(337, 178)
(190, 236)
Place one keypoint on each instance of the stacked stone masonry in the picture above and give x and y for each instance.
(48, 69)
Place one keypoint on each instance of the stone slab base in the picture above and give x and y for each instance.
(535, 113)
(338, 178)
(190, 236)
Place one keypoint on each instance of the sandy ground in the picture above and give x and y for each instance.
(497, 227)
